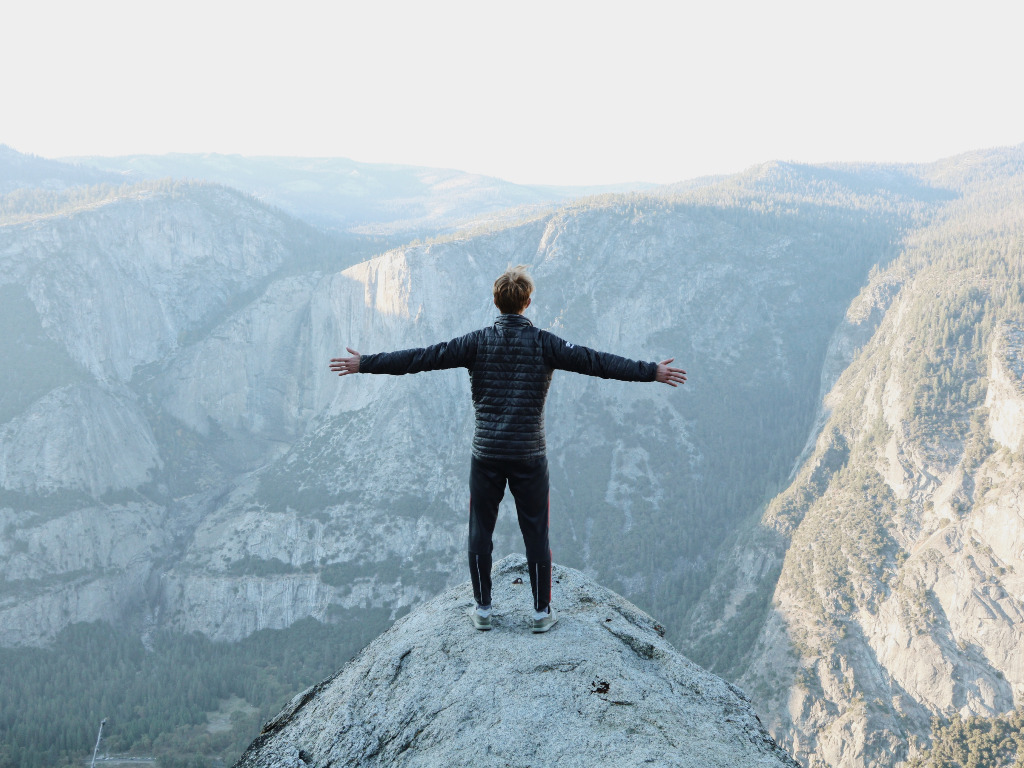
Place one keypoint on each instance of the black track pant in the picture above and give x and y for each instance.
(528, 481)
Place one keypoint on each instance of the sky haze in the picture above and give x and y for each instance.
(533, 92)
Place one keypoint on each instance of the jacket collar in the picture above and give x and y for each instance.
(512, 321)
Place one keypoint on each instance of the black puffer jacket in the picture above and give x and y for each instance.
(510, 366)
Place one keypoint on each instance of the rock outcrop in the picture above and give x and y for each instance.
(1005, 396)
(602, 688)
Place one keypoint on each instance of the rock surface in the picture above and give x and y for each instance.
(83, 437)
(601, 688)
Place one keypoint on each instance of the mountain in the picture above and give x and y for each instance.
(377, 465)
(371, 198)
(897, 545)
(602, 688)
(808, 516)
(21, 171)
(93, 293)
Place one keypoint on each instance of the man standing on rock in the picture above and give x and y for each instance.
(510, 365)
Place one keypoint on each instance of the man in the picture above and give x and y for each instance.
(510, 366)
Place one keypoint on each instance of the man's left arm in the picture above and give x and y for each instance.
(563, 355)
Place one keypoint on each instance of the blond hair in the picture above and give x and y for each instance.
(512, 290)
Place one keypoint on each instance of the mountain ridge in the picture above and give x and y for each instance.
(366, 198)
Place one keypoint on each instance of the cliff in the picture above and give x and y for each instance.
(898, 541)
(602, 688)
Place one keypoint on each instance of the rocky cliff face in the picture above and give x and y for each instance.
(78, 437)
(899, 541)
(601, 688)
(1004, 397)
(119, 282)
(93, 292)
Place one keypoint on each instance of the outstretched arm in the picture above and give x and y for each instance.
(559, 353)
(562, 355)
(457, 353)
(346, 365)
(666, 375)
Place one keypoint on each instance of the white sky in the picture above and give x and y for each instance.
(543, 92)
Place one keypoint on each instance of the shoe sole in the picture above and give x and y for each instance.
(545, 627)
(479, 622)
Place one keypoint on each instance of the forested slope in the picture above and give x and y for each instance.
(898, 545)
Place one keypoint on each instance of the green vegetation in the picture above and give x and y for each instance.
(45, 506)
(838, 556)
(975, 742)
(156, 700)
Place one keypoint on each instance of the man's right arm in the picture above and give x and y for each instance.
(457, 353)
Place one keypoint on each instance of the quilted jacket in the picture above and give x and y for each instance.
(510, 365)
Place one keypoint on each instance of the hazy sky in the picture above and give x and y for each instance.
(545, 92)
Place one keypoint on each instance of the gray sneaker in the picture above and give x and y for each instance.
(543, 625)
(483, 623)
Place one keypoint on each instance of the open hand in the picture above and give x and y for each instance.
(666, 375)
(345, 365)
